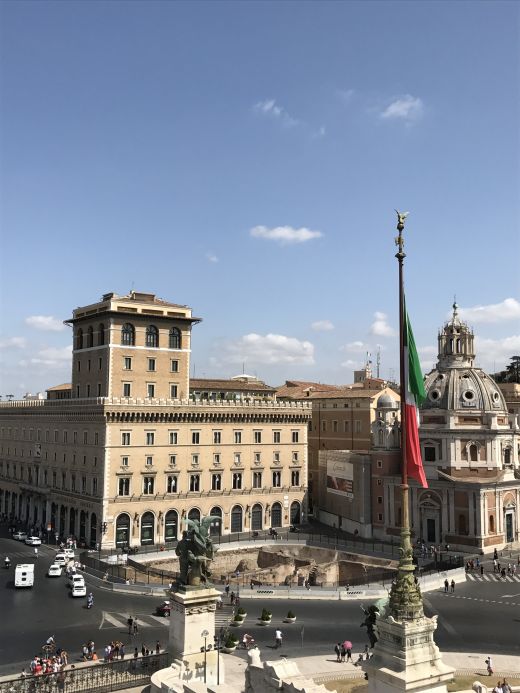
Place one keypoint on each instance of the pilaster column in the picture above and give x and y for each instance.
(451, 495)
(445, 511)
(471, 513)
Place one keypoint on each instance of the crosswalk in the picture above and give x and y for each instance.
(112, 619)
(492, 577)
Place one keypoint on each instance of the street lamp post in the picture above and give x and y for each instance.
(217, 647)
(205, 634)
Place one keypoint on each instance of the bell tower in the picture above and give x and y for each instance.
(456, 349)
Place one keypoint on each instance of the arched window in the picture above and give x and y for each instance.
(171, 524)
(473, 453)
(175, 338)
(491, 524)
(101, 334)
(236, 519)
(194, 514)
(296, 513)
(79, 339)
(123, 530)
(63, 513)
(90, 337)
(256, 517)
(82, 525)
(276, 515)
(152, 337)
(462, 524)
(128, 334)
(507, 456)
(147, 529)
(215, 528)
(72, 522)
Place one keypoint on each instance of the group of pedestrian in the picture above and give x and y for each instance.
(113, 651)
(503, 687)
(343, 652)
(48, 665)
(133, 626)
(88, 653)
(448, 585)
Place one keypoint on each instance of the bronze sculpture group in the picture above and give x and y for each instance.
(196, 551)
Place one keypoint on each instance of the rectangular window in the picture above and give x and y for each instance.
(174, 366)
(216, 482)
(150, 438)
(83, 484)
(323, 426)
(429, 453)
(295, 457)
(72, 482)
(379, 464)
(380, 517)
(173, 391)
(88, 364)
(56, 433)
(216, 458)
(127, 363)
(217, 437)
(125, 438)
(150, 390)
(171, 484)
(100, 363)
(148, 485)
(295, 436)
(99, 389)
(276, 457)
(124, 461)
(124, 486)
(334, 426)
(380, 500)
(94, 486)
(258, 437)
(96, 438)
(295, 477)
(345, 427)
(257, 479)
(77, 390)
(236, 459)
(195, 437)
(85, 437)
(173, 460)
(75, 437)
(65, 436)
(194, 483)
(357, 426)
(238, 436)
(276, 436)
(380, 482)
(151, 364)
(195, 460)
(173, 437)
(127, 389)
(149, 461)
(237, 480)
(277, 479)
(258, 458)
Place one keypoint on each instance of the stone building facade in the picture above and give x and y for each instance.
(128, 456)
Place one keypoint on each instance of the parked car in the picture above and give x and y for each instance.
(55, 570)
(20, 536)
(79, 590)
(76, 579)
(33, 541)
(163, 609)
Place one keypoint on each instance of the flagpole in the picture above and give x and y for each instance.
(405, 597)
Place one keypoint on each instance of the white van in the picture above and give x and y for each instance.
(24, 575)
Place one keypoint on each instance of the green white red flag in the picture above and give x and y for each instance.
(415, 395)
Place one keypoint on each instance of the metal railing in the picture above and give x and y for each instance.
(96, 678)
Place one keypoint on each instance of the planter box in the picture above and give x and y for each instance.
(264, 623)
(289, 620)
(229, 650)
(237, 623)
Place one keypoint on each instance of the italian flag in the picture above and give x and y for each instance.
(415, 394)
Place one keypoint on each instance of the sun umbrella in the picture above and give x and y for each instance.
(347, 645)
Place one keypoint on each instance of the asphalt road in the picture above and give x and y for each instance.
(481, 617)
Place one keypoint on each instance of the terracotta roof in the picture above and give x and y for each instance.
(346, 393)
(298, 389)
(65, 386)
(229, 385)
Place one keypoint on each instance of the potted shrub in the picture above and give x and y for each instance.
(238, 619)
(230, 644)
(265, 618)
(290, 618)
(241, 612)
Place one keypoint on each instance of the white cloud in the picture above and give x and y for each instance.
(322, 326)
(268, 349)
(509, 309)
(355, 346)
(285, 235)
(210, 257)
(271, 109)
(320, 132)
(427, 351)
(350, 364)
(408, 108)
(13, 343)
(381, 327)
(45, 322)
(56, 354)
(494, 354)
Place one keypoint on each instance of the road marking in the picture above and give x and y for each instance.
(163, 620)
(506, 596)
(447, 626)
(108, 617)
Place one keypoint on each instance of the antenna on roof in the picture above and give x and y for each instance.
(378, 360)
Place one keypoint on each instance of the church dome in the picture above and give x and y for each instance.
(386, 401)
(455, 384)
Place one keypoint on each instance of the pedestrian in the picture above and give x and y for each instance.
(136, 653)
(337, 650)
(482, 570)
(489, 663)
(251, 584)
(278, 638)
(446, 585)
(498, 688)
(506, 688)
(130, 622)
(495, 554)
(495, 565)
(478, 562)
(158, 648)
(232, 598)
(453, 586)
(143, 650)
(343, 653)
(135, 626)
(121, 651)
(227, 589)
(366, 652)
(349, 654)
(503, 573)
(36, 552)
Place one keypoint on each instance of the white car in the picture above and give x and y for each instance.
(76, 579)
(33, 541)
(79, 590)
(20, 536)
(55, 570)
(60, 558)
(69, 553)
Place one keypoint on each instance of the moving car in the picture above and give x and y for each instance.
(20, 536)
(33, 541)
(68, 553)
(76, 579)
(163, 609)
(79, 590)
(24, 575)
(61, 559)
(55, 570)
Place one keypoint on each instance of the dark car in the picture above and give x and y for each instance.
(163, 609)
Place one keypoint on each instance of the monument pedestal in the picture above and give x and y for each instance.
(406, 658)
(192, 612)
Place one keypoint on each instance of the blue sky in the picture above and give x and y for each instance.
(245, 159)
